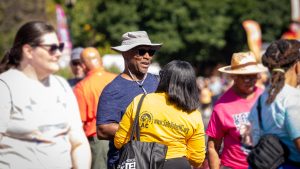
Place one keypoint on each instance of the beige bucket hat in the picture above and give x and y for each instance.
(133, 39)
(243, 63)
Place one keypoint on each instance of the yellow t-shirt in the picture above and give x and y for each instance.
(163, 123)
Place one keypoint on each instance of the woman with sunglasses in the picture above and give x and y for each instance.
(40, 125)
(170, 117)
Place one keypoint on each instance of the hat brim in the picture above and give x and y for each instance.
(124, 48)
(252, 69)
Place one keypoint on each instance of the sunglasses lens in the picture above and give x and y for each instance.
(61, 47)
(142, 52)
(151, 52)
(75, 62)
(54, 47)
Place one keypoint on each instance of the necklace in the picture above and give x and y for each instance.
(139, 83)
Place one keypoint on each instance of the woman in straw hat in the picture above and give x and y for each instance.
(230, 113)
(280, 105)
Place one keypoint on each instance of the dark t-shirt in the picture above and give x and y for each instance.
(74, 81)
(114, 99)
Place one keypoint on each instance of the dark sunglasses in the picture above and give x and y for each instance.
(75, 62)
(251, 76)
(142, 52)
(53, 47)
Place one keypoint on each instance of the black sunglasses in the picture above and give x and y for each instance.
(142, 52)
(53, 47)
(75, 62)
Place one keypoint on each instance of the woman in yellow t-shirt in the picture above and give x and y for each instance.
(170, 117)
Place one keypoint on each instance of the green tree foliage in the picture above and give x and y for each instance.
(192, 30)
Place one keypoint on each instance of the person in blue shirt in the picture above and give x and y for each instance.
(280, 104)
(137, 51)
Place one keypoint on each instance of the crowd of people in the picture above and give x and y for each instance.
(47, 121)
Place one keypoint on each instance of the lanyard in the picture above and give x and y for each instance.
(139, 83)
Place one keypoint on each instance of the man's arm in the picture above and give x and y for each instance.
(213, 148)
(107, 131)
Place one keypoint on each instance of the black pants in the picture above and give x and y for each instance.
(177, 163)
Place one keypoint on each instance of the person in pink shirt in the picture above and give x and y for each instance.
(229, 120)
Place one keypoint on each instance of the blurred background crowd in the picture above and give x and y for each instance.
(205, 33)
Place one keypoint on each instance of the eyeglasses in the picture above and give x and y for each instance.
(142, 52)
(53, 47)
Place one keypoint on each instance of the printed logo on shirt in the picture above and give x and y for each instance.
(172, 125)
(243, 127)
(146, 118)
(240, 119)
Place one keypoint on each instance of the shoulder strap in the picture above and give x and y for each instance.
(136, 128)
(259, 113)
(10, 95)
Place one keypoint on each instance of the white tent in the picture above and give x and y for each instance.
(117, 60)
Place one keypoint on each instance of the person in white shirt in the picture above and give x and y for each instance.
(40, 126)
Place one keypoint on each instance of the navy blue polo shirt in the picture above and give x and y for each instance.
(114, 99)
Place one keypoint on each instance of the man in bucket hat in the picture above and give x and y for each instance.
(228, 122)
(137, 51)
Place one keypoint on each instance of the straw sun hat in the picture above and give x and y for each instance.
(133, 39)
(243, 63)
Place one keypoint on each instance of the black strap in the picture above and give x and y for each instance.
(259, 113)
(10, 95)
(135, 127)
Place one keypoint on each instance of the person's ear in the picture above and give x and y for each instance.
(297, 68)
(27, 51)
(297, 71)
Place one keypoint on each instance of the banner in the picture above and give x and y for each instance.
(294, 28)
(64, 36)
(293, 32)
(295, 10)
(253, 31)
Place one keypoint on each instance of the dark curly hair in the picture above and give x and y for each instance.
(280, 55)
